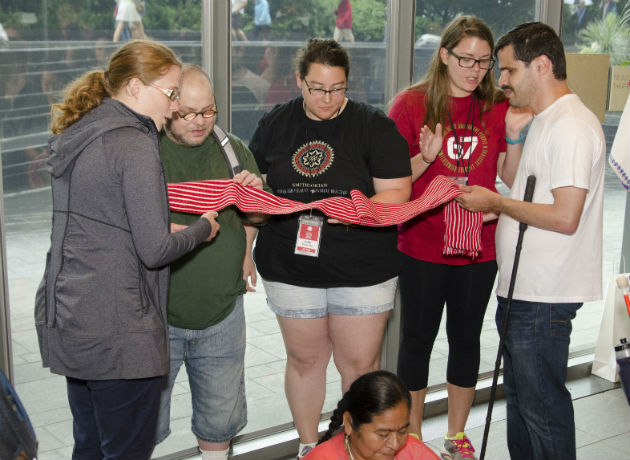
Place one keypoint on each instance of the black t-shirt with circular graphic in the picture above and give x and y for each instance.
(307, 160)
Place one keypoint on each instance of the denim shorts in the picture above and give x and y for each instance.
(304, 302)
(214, 359)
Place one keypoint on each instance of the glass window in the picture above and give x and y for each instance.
(433, 15)
(263, 55)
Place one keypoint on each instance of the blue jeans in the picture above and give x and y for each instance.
(540, 423)
(215, 364)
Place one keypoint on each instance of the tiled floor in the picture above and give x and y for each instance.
(602, 424)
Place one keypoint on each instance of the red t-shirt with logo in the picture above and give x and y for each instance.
(481, 139)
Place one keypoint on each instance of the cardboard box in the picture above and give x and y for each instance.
(587, 76)
(619, 90)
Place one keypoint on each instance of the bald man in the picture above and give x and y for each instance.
(205, 306)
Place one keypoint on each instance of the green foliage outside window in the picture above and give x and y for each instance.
(291, 19)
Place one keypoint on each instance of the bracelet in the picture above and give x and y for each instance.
(425, 160)
(515, 141)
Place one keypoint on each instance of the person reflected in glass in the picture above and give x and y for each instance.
(343, 23)
(278, 71)
(371, 422)
(262, 19)
(454, 121)
(100, 310)
(238, 9)
(331, 285)
(127, 15)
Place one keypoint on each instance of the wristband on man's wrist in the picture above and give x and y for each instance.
(515, 141)
(426, 161)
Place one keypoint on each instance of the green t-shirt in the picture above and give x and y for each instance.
(206, 282)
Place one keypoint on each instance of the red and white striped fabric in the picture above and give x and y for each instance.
(463, 228)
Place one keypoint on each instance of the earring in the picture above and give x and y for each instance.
(347, 445)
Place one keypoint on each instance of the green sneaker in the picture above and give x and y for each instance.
(458, 448)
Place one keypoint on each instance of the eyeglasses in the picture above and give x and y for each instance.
(172, 94)
(321, 92)
(190, 116)
(468, 63)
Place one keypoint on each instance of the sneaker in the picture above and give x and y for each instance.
(458, 448)
(305, 450)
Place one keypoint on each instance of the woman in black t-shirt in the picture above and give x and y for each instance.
(331, 285)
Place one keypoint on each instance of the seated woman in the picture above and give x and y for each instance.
(374, 415)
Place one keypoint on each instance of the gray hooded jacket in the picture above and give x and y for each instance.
(100, 311)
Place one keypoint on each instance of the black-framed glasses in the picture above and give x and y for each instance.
(468, 63)
(190, 116)
(172, 94)
(321, 92)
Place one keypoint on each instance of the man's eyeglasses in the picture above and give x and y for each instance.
(190, 116)
(321, 92)
(172, 94)
(468, 63)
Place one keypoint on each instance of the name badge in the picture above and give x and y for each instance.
(309, 235)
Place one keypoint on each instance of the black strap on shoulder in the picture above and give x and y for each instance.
(228, 151)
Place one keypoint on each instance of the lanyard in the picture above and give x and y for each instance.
(459, 146)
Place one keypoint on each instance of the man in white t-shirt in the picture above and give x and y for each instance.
(561, 259)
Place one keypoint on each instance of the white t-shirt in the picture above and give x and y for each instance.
(565, 146)
(237, 6)
(127, 11)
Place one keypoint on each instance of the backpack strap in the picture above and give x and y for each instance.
(228, 151)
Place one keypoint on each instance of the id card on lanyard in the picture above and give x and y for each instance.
(309, 235)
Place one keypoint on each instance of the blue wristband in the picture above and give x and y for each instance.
(515, 141)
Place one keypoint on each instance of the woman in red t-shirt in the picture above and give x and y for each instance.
(455, 122)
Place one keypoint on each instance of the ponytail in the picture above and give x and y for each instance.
(81, 96)
(336, 422)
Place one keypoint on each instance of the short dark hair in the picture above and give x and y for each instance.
(368, 396)
(534, 39)
(324, 51)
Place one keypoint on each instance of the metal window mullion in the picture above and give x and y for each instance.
(216, 56)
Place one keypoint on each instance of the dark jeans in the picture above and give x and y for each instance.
(114, 419)
(540, 423)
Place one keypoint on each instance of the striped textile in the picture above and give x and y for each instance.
(463, 228)
(460, 225)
